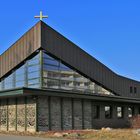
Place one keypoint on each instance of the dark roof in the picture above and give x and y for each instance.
(42, 36)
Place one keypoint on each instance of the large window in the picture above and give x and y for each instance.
(58, 76)
(27, 75)
(43, 71)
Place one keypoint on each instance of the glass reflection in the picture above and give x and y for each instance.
(27, 75)
(58, 76)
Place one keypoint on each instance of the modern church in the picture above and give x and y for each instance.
(49, 83)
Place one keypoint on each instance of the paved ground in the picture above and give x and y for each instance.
(5, 137)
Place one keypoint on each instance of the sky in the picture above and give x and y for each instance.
(109, 30)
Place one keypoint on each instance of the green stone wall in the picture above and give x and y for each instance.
(61, 113)
(67, 114)
(77, 113)
(87, 109)
(43, 113)
(56, 113)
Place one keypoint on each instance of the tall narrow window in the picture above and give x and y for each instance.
(119, 112)
(108, 112)
(135, 90)
(96, 111)
(130, 112)
(131, 89)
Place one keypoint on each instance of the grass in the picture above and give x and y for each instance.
(115, 134)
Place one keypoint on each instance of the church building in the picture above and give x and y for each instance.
(49, 83)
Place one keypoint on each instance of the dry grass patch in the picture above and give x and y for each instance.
(115, 134)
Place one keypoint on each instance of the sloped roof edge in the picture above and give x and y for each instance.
(62, 48)
(43, 36)
(21, 49)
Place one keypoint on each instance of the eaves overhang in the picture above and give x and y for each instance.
(68, 94)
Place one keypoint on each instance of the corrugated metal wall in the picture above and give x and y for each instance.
(41, 35)
(62, 48)
(19, 51)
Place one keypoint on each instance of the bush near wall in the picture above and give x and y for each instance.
(135, 122)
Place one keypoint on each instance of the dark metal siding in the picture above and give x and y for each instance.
(41, 35)
(62, 48)
(19, 51)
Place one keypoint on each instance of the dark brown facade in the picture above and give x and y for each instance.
(62, 48)
(55, 110)
(46, 109)
(41, 36)
(22, 49)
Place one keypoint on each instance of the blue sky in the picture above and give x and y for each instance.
(107, 29)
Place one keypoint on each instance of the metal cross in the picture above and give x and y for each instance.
(41, 16)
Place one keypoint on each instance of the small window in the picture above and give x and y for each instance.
(135, 90)
(130, 112)
(96, 111)
(131, 89)
(119, 112)
(108, 112)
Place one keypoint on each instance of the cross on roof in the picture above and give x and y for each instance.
(41, 16)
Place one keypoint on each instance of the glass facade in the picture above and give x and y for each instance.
(27, 75)
(56, 75)
(43, 71)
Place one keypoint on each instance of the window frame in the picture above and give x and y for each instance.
(122, 112)
(131, 89)
(132, 113)
(109, 115)
(96, 111)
